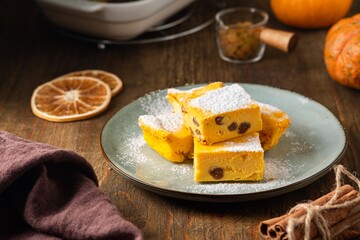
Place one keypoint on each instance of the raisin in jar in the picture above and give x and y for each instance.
(237, 34)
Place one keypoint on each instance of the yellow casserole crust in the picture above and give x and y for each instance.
(167, 135)
(238, 159)
(275, 122)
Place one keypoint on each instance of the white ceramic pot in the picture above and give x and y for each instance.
(117, 21)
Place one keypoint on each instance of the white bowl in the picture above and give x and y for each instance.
(118, 21)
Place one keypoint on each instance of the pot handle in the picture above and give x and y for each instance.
(73, 5)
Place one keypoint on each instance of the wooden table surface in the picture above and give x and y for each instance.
(32, 53)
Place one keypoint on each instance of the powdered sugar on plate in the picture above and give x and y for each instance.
(152, 104)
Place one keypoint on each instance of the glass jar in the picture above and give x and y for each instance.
(237, 34)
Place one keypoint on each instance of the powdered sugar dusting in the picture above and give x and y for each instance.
(270, 108)
(303, 100)
(274, 169)
(225, 99)
(135, 154)
(170, 122)
(174, 90)
(250, 144)
(298, 144)
(153, 105)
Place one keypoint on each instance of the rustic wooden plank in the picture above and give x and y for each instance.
(32, 53)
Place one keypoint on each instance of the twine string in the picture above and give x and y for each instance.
(314, 213)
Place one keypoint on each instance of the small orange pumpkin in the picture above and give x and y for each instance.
(342, 51)
(310, 14)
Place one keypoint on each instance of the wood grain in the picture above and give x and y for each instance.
(32, 53)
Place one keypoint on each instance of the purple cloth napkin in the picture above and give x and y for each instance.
(51, 193)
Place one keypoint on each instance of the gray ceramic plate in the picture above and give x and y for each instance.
(314, 142)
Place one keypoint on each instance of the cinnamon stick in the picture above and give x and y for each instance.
(334, 215)
(348, 234)
(264, 226)
(276, 226)
(341, 230)
(282, 225)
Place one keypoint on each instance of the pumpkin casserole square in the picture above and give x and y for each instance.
(238, 159)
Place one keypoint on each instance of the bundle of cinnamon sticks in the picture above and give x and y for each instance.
(335, 215)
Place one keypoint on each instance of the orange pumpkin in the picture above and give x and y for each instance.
(342, 51)
(310, 14)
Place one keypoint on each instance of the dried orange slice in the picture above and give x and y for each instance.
(110, 79)
(70, 98)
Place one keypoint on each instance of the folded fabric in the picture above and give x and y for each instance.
(51, 193)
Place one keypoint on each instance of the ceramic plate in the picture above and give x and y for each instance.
(313, 143)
